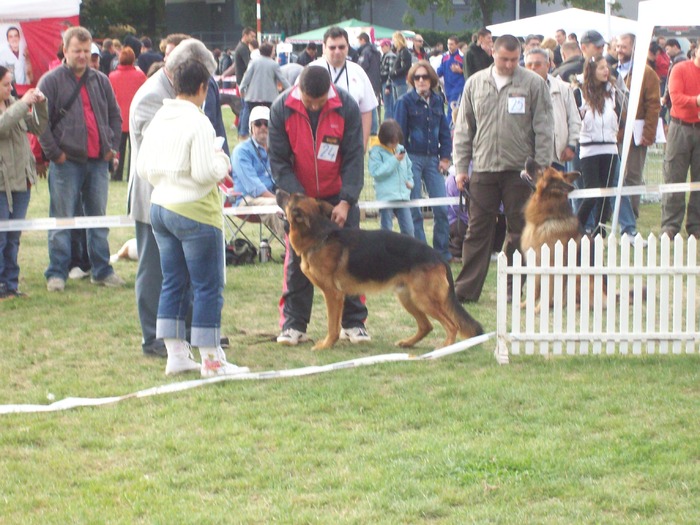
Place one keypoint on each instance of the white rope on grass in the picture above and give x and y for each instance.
(74, 402)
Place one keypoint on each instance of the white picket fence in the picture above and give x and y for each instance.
(651, 305)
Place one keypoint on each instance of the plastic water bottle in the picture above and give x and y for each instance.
(265, 252)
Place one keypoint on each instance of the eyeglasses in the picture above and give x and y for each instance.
(421, 77)
(339, 48)
(260, 122)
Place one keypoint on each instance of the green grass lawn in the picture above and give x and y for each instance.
(593, 439)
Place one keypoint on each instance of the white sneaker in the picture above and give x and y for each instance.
(214, 365)
(55, 284)
(111, 281)
(356, 335)
(77, 273)
(292, 337)
(177, 364)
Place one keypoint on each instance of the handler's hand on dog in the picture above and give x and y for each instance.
(462, 179)
(340, 213)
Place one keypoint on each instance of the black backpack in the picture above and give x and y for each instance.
(240, 251)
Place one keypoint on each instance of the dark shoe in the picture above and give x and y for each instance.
(17, 294)
(4, 292)
(156, 349)
(224, 342)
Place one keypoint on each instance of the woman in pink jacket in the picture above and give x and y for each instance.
(126, 81)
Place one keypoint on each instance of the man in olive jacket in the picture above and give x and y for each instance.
(81, 140)
(505, 117)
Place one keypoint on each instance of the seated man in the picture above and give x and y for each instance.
(252, 177)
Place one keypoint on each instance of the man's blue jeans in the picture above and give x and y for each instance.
(9, 241)
(425, 170)
(191, 253)
(68, 183)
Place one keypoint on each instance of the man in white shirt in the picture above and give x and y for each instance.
(348, 75)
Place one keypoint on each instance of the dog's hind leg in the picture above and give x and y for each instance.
(334, 309)
(424, 325)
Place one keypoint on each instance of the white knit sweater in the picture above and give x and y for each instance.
(177, 155)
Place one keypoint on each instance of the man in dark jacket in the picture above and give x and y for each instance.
(479, 56)
(81, 140)
(148, 56)
(370, 60)
(241, 59)
(572, 64)
(308, 55)
(315, 116)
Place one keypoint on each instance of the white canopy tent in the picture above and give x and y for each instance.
(29, 9)
(652, 13)
(571, 20)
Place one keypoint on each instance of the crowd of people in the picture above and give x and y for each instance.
(478, 109)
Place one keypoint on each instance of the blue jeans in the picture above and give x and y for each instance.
(9, 241)
(191, 254)
(375, 121)
(425, 170)
(388, 100)
(403, 216)
(243, 119)
(68, 184)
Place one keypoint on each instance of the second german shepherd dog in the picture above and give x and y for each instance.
(548, 214)
(350, 261)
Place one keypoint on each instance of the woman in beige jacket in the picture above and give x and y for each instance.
(17, 170)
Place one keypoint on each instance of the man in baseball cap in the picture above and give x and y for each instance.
(592, 43)
(251, 172)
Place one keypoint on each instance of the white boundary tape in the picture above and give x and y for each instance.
(74, 402)
(122, 221)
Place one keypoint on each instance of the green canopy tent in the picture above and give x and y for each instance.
(352, 26)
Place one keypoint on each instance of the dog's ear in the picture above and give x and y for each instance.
(282, 198)
(571, 176)
(300, 217)
(326, 208)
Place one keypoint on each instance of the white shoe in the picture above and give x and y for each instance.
(55, 284)
(292, 337)
(355, 335)
(77, 273)
(215, 365)
(181, 362)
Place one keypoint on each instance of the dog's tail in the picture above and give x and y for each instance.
(468, 326)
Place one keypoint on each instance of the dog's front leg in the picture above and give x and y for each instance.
(334, 309)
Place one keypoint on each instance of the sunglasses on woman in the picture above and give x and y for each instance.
(421, 77)
(260, 122)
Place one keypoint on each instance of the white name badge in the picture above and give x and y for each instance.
(329, 149)
(516, 105)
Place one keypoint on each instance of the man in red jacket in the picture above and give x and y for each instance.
(683, 148)
(316, 148)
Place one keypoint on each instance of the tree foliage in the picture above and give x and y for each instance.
(112, 17)
(480, 13)
(295, 16)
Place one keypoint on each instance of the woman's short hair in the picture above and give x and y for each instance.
(390, 132)
(127, 57)
(431, 73)
(191, 49)
(189, 76)
(314, 81)
(266, 49)
(3, 71)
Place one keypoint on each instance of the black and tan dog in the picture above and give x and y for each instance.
(350, 261)
(549, 218)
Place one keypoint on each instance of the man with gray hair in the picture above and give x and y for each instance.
(147, 101)
(567, 120)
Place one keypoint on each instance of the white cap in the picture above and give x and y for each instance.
(94, 50)
(257, 113)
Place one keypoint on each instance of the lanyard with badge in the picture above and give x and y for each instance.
(337, 77)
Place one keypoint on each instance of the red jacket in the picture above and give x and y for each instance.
(320, 178)
(126, 81)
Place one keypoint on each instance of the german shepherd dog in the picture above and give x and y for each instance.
(350, 261)
(548, 214)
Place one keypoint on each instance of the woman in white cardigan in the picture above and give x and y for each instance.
(179, 158)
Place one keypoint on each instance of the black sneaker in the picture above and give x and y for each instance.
(155, 349)
(4, 292)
